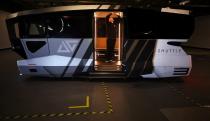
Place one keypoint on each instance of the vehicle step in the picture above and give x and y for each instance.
(107, 73)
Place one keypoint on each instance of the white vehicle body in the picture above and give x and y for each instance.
(51, 48)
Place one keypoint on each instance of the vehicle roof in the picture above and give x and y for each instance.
(65, 8)
(86, 7)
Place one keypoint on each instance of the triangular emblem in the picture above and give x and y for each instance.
(63, 48)
(71, 46)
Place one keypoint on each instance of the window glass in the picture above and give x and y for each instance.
(174, 26)
(151, 24)
(17, 30)
(70, 26)
(60, 25)
(140, 23)
(36, 29)
(34, 26)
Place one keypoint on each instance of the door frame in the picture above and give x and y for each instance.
(120, 34)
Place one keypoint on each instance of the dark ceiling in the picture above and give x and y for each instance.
(201, 6)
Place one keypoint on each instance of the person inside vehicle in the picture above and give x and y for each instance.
(112, 26)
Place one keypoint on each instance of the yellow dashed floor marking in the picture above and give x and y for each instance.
(87, 105)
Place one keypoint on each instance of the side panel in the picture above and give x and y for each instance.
(80, 51)
(67, 57)
(139, 53)
(51, 66)
(170, 60)
(37, 47)
(145, 57)
(63, 46)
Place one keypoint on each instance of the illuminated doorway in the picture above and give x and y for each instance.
(108, 37)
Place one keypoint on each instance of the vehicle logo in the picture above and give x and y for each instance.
(67, 47)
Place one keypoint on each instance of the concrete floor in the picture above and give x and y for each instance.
(44, 99)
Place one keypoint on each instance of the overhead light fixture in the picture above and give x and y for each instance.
(184, 2)
(177, 11)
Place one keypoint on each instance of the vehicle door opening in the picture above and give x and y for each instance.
(108, 37)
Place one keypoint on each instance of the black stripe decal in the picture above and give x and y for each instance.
(66, 68)
(90, 68)
(179, 73)
(145, 60)
(134, 63)
(181, 68)
(84, 60)
(132, 47)
(148, 65)
(49, 71)
(140, 63)
(132, 57)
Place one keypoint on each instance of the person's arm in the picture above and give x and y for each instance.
(107, 17)
(118, 19)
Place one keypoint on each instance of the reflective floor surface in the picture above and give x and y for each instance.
(48, 99)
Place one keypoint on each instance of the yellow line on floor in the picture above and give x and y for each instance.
(87, 104)
(52, 115)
